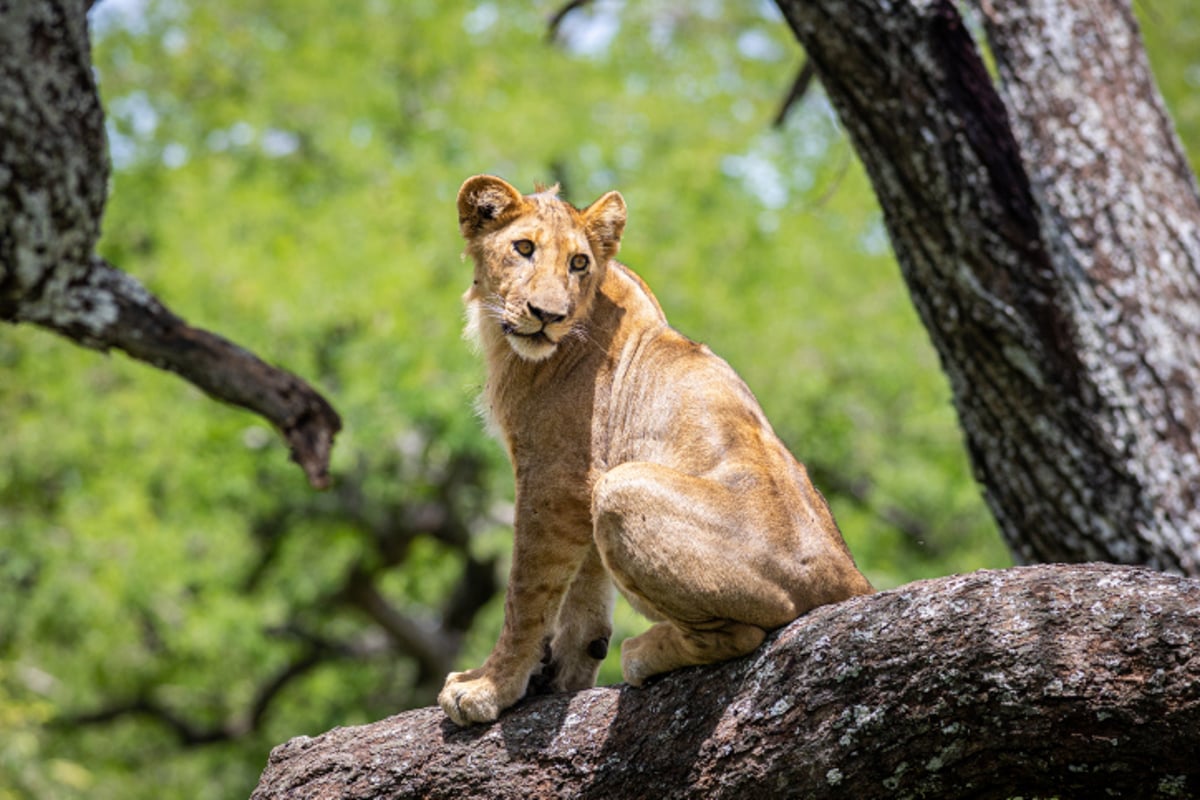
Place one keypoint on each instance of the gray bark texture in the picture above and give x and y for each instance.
(53, 182)
(1069, 681)
(1050, 238)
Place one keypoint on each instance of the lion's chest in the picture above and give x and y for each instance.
(544, 423)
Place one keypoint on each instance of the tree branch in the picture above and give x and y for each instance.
(799, 88)
(1067, 680)
(104, 308)
(300, 666)
(431, 647)
(1120, 209)
(859, 491)
(555, 21)
(53, 182)
(193, 734)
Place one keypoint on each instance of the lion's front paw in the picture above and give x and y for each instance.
(470, 697)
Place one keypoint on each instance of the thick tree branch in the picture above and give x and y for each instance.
(105, 308)
(53, 180)
(1119, 208)
(1048, 680)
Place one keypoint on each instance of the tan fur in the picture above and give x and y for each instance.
(641, 460)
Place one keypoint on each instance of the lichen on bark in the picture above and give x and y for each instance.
(1119, 209)
(1067, 680)
(53, 158)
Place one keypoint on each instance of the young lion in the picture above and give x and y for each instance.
(641, 459)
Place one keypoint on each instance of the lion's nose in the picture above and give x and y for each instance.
(545, 316)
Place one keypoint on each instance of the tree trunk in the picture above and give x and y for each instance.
(1076, 681)
(1063, 305)
(53, 182)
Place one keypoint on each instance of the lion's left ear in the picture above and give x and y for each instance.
(605, 222)
(486, 202)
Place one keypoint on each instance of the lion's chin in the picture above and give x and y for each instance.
(532, 347)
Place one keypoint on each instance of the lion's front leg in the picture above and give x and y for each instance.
(542, 568)
(571, 659)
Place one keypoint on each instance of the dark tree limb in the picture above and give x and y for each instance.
(191, 733)
(430, 646)
(188, 733)
(104, 308)
(859, 490)
(426, 636)
(556, 19)
(1052, 680)
(53, 182)
(796, 93)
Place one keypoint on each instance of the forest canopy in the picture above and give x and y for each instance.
(174, 600)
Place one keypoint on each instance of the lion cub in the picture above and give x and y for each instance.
(641, 460)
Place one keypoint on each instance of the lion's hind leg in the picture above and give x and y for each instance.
(689, 552)
(667, 646)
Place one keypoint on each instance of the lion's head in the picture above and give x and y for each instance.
(539, 261)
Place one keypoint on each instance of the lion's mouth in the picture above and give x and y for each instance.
(538, 336)
(529, 345)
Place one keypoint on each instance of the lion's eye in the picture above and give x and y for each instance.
(523, 247)
(579, 262)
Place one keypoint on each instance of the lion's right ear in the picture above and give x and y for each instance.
(486, 201)
(605, 220)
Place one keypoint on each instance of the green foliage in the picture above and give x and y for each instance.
(285, 176)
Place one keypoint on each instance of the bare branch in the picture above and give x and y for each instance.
(190, 733)
(859, 491)
(267, 692)
(432, 648)
(556, 20)
(476, 586)
(796, 93)
(103, 307)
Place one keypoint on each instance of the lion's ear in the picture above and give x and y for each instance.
(484, 202)
(605, 222)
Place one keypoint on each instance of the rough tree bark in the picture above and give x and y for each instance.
(53, 184)
(1049, 680)
(1052, 249)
